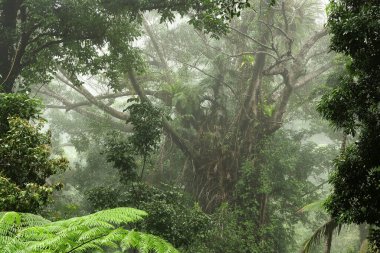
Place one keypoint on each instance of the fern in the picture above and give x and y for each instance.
(96, 232)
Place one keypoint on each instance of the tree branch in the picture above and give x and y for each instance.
(82, 90)
(251, 38)
(310, 43)
(307, 78)
(209, 75)
(155, 44)
(158, 94)
(120, 126)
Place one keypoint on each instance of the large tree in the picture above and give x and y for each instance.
(353, 105)
(229, 96)
(243, 88)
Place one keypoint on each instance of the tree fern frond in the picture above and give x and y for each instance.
(91, 233)
(89, 247)
(92, 223)
(11, 223)
(119, 215)
(321, 233)
(146, 243)
(21, 219)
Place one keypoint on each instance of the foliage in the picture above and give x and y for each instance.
(353, 107)
(279, 174)
(17, 105)
(25, 155)
(121, 149)
(171, 216)
(28, 198)
(29, 233)
(224, 234)
(374, 238)
(147, 125)
(23, 141)
(49, 34)
(120, 152)
(242, 225)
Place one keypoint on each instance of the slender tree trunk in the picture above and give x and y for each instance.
(363, 234)
(328, 242)
(344, 143)
(9, 10)
(143, 167)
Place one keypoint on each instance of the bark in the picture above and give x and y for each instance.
(8, 21)
(72, 82)
(328, 242)
(363, 234)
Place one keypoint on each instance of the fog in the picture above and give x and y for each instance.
(208, 125)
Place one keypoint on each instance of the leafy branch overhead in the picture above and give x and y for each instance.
(37, 36)
(96, 232)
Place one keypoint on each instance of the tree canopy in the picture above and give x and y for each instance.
(353, 106)
(40, 36)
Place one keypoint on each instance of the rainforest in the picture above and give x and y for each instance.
(210, 126)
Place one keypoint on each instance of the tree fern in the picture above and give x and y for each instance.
(96, 232)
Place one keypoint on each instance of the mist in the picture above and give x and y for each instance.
(196, 126)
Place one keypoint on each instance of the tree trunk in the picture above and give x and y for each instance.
(363, 233)
(8, 21)
(328, 242)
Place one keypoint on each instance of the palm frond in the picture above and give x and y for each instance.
(313, 207)
(321, 233)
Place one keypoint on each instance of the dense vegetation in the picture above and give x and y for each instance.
(353, 105)
(204, 114)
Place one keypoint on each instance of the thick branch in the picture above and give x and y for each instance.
(283, 12)
(249, 108)
(82, 90)
(281, 108)
(310, 43)
(120, 126)
(155, 44)
(307, 78)
(158, 94)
